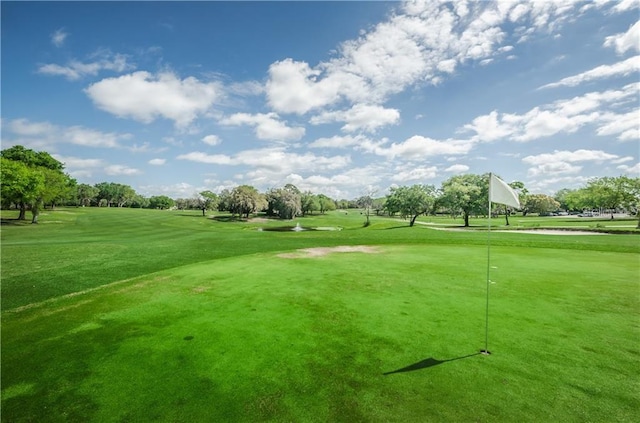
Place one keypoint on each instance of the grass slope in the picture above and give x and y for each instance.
(207, 323)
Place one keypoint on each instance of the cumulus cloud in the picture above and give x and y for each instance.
(339, 141)
(49, 134)
(629, 40)
(75, 69)
(563, 162)
(634, 171)
(268, 126)
(144, 97)
(563, 116)
(58, 37)
(420, 42)
(157, 162)
(75, 163)
(360, 117)
(626, 67)
(457, 168)
(115, 170)
(419, 148)
(211, 140)
(273, 160)
(415, 174)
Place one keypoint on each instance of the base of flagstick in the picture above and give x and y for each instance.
(485, 352)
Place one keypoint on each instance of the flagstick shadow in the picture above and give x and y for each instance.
(425, 364)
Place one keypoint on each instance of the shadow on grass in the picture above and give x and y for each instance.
(425, 364)
(15, 222)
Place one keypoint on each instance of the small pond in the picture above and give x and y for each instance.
(298, 228)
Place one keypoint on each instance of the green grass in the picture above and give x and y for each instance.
(203, 321)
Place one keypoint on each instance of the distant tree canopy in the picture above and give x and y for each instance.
(411, 202)
(31, 179)
(466, 194)
(34, 179)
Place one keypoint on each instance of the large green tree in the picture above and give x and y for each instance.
(33, 178)
(285, 202)
(309, 202)
(325, 203)
(466, 194)
(161, 202)
(242, 200)
(21, 184)
(86, 194)
(541, 204)
(209, 201)
(411, 202)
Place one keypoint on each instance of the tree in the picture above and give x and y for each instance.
(561, 198)
(285, 202)
(465, 194)
(113, 193)
(21, 184)
(309, 203)
(86, 194)
(38, 178)
(412, 201)
(209, 201)
(325, 203)
(243, 200)
(541, 204)
(161, 202)
(608, 192)
(366, 202)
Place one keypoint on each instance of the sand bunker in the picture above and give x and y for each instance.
(323, 251)
(553, 232)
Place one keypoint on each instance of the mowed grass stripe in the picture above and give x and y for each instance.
(262, 337)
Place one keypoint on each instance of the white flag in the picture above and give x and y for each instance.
(500, 192)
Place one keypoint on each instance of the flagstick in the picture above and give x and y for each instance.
(486, 330)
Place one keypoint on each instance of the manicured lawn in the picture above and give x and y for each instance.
(204, 320)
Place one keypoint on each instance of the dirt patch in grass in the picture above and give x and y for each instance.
(323, 251)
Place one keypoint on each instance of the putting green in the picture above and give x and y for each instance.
(310, 338)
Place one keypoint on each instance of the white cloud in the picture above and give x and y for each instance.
(338, 141)
(76, 164)
(569, 156)
(562, 162)
(418, 173)
(199, 157)
(457, 168)
(419, 148)
(360, 117)
(626, 126)
(624, 68)
(211, 140)
(272, 160)
(293, 87)
(48, 134)
(26, 128)
(629, 40)
(115, 170)
(562, 116)
(420, 42)
(144, 97)
(58, 37)
(157, 162)
(631, 170)
(75, 69)
(267, 126)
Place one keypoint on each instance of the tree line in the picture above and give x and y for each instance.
(32, 180)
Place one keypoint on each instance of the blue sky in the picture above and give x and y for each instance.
(340, 98)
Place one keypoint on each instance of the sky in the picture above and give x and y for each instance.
(340, 98)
